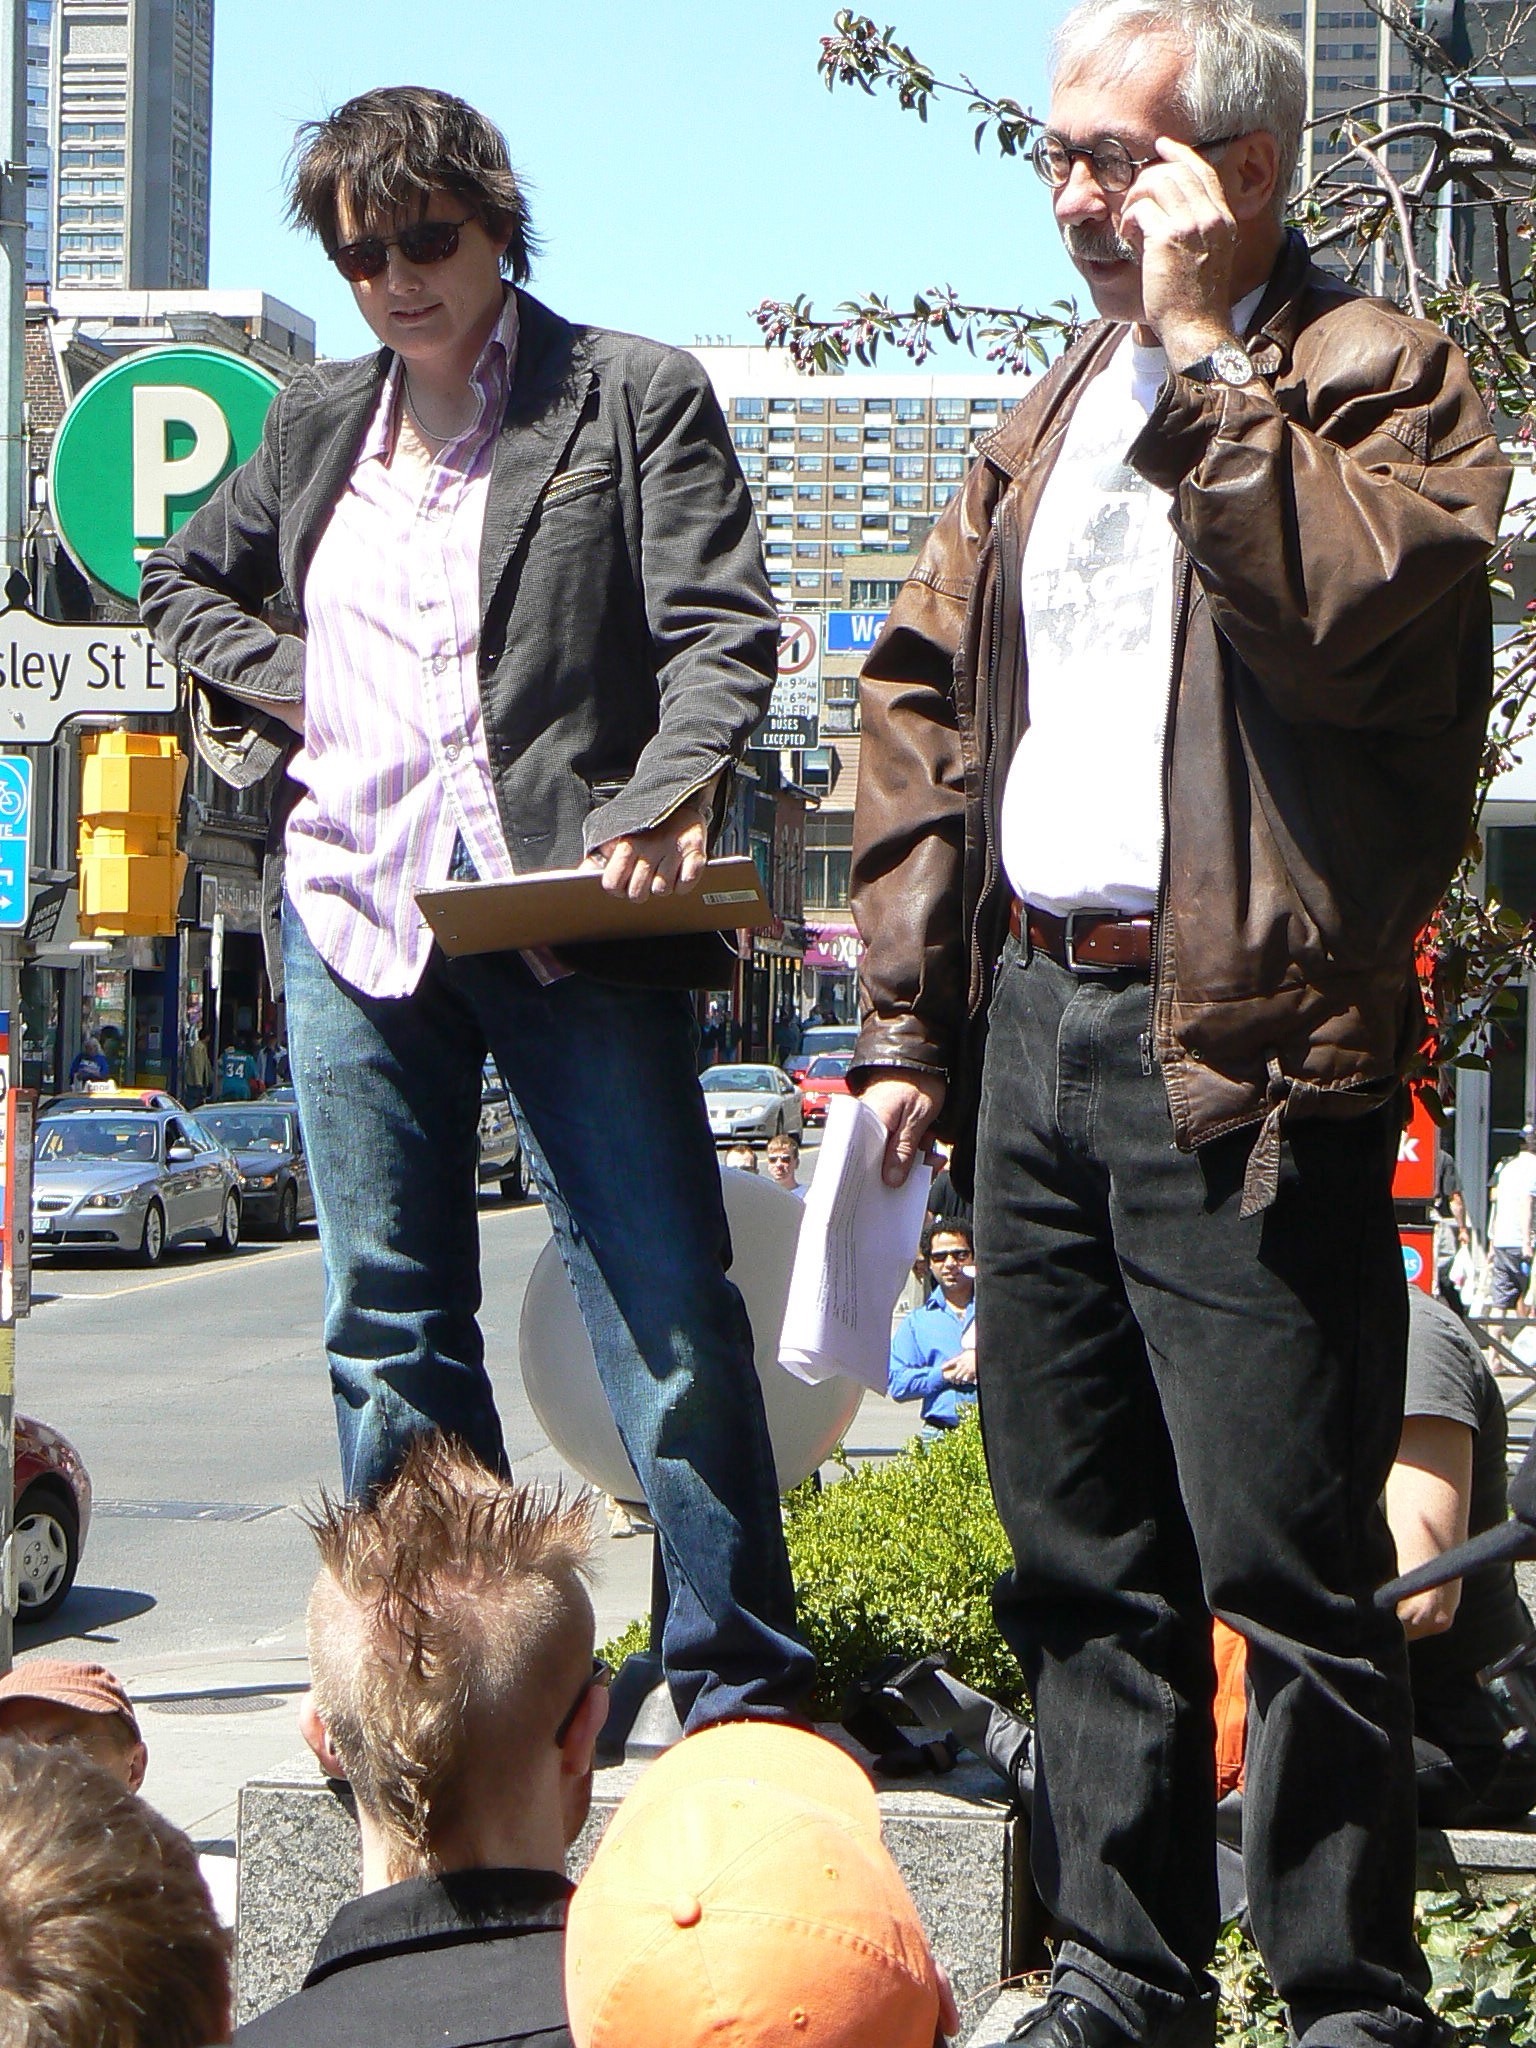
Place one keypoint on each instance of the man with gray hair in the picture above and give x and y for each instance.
(1170, 749)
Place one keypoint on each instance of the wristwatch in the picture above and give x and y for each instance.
(1228, 363)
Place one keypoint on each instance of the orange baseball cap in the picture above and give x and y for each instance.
(89, 1688)
(742, 1898)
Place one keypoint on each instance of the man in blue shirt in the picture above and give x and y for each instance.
(931, 1360)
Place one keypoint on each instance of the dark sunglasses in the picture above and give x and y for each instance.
(602, 1674)
(429, 241)
(937, 1258)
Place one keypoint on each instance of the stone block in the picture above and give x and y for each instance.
(953, 1839)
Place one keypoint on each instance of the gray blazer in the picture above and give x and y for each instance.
(628, 636)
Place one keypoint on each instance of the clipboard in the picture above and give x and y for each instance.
(568, 906)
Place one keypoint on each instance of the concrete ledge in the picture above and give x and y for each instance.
(1461, 1856)
(955, 1842)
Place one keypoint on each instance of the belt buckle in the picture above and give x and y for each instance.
(1103, 968)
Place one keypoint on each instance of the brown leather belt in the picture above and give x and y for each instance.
(1086, 941)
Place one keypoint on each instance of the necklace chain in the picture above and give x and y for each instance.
(416, 420)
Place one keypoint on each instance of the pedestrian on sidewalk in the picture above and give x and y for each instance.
(197, 1071)
(538, 631)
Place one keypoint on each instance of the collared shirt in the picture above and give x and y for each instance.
(394, 764)
(473, 1957)
(921, 1348)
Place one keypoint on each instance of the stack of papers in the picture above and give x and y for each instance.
(856, 1248)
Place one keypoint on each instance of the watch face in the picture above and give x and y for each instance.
(1231, 363)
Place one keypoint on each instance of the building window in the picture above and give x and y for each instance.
(949, 465)
(845, 547)
(910, 494)
(808, 522)
(748, 437)
(777, 550)
(779, 491)
(843, 493)
(776, 518)
(752, 465)
(848, 405)
(810, 465)
(808, 494)
(781, 405)
(844, 463)
(949, 437)
(911, 437)
(943, 493)
(812, 437)
(807, 551)
(876, 494)
(813, 408)
(877, 405)
(911, 465)
(845, 522)
(950, 408)
(778, 579)
(910, 409)
(780, 465)
(877, 465)
(872, 592)
(877, 437)
(748, 408)
(878, 522)
(779, 435)
(984, 405)
(847, 434)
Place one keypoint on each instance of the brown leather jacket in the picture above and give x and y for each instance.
(1330, 682)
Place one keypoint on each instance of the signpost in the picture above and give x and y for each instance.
(794, 711)
(143, 445)
(853, 632)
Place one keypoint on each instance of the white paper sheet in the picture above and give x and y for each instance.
(856, 1248)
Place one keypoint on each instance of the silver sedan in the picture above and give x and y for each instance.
(749, 1102)
(132, 1181)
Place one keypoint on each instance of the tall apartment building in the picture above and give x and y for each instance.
(119, 101)
(844, 466)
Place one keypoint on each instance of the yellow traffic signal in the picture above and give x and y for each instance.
(130, 800)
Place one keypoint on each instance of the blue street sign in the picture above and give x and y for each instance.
(15, 839)
(852, 632)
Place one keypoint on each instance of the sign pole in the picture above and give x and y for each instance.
(13, 290)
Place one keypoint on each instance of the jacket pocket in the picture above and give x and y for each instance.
(578, 483)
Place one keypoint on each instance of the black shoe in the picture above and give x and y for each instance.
(1068, 2022)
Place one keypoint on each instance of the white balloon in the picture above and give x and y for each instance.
(565, 1393)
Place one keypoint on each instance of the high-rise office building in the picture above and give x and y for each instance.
(119, 100)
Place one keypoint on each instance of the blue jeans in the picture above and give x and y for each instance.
(1188, 1412)
(615, 1130)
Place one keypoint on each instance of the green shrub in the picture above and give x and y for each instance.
(633, 1640)
(902, 1556)
(1482, 1958)
(899, 1556)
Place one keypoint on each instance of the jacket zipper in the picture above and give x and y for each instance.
(1184, 578)
(1002, 550)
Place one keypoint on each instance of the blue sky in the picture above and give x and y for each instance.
(683, 158)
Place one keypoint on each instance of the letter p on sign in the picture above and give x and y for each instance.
(159, 476)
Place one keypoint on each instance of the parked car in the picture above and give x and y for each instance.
(749, 1102)
(52, 1514)
(827, 1075)
(267, 1146)
(501, 1149)
(131, 1179)
(106, 1096)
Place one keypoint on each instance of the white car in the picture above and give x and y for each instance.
(749, 1102)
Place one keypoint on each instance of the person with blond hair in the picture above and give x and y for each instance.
(453, 1686)
(107, 1931)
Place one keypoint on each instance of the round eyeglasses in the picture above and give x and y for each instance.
(1113, 166)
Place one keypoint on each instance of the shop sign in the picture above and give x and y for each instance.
(237, 898)
(833, 948)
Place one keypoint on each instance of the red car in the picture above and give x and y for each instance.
(53, 1513)
(827, 1075)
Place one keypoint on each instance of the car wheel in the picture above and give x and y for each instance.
(152, 1243)
(514, 1185)
(288, 1212)
(229, 1230)
(47, 1550)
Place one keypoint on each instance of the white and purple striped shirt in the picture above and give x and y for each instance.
(394, 763)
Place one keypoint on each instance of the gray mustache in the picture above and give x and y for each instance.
(1096, 245)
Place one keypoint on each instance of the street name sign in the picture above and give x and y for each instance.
(853, 632)
(15, 840)
(51, 673)
(143, 445)
(794, 711)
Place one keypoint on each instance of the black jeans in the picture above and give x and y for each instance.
(1188, 1414)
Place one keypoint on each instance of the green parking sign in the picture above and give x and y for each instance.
(143, 445)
